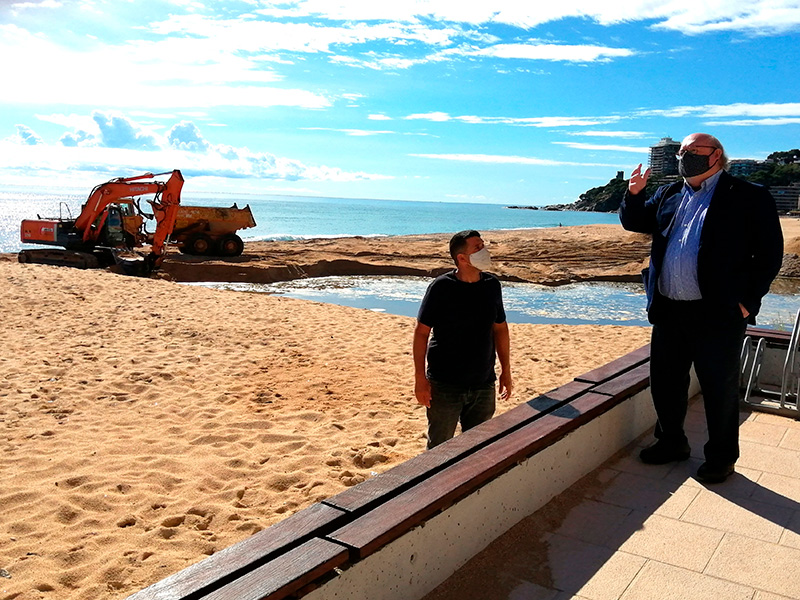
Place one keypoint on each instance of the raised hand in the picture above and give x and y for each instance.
(638, 180)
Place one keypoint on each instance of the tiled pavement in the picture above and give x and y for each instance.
(631, 531)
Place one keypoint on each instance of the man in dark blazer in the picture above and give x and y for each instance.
(717, 246)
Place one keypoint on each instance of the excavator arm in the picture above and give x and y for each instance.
(89, 222)
(165, 210)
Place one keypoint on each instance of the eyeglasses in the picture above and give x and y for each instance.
(691, 150)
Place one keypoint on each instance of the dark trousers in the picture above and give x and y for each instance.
(687, 334)
(452, 403)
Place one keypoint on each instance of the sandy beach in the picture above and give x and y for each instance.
(147, 424)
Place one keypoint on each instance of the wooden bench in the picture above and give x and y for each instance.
(289, 557)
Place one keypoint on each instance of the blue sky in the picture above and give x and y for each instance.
(504, 102)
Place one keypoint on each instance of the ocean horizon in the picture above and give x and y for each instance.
(303, 217)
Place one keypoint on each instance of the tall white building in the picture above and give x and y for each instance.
(662, 157)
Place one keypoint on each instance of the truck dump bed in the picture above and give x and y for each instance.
(212, 220)
(212, 230)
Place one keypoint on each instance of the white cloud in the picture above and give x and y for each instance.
(685, 16)
(352, 132)
(264, 36)
(26, 136)
(509, 160)
(552, 52)
(765, 114)
(431, 116)
(18, 6)
(756, 122)
(79, 137)
(197, 61)
(353, 98)
(442, 117)
(379, 117)
(117, 131)
(762, 17)
(186, 136)
(738, 109)
(209, 77)
(605, 147)
(116, 144)
(376, 63)
(610, 134)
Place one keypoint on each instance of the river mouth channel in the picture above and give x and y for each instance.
(585, 303)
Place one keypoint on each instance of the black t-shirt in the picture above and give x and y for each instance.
(462, 315)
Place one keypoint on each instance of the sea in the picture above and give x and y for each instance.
(303, 217)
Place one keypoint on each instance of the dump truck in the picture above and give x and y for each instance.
(210, 230)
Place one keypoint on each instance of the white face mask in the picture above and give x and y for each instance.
(481, 260)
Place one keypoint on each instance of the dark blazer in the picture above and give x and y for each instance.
(741, 244)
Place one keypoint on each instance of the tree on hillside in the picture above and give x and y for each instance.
(608, 197)
(776, 174)
(785, 158)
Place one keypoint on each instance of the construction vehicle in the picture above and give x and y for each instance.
(110, 226)
(207, 230)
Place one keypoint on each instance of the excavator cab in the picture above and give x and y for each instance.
(115, 234)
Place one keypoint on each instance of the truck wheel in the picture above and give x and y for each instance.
(231, 245)
(199, 243)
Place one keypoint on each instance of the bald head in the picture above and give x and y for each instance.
(699, 140)
(704, 139)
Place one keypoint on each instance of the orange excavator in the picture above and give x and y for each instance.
(110, 226)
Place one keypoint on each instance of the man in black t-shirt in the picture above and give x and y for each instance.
(464, 309)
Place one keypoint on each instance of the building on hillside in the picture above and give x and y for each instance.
(787, 197)
(744, 167)
(662, 157)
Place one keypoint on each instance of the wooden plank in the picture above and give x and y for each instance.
(230, 563)
(568, 391)
(393, 518)
(588, 407)
(361, 497)
(626, 384)
(769, 334)
(618, 366)
(286, 574)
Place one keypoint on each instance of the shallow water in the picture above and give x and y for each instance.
(588, 303)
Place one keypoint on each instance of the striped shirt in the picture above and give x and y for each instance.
(678, 279)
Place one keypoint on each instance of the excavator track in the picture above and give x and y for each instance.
(65, 258)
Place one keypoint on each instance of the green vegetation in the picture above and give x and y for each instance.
(783, 170)
(608, 197)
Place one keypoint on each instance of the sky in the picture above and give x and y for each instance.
(507, 102)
